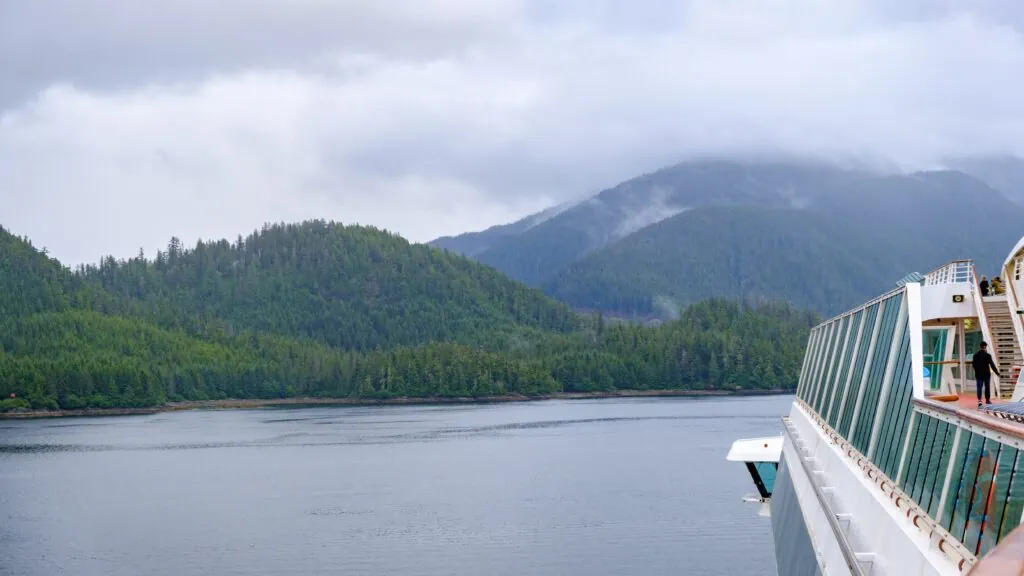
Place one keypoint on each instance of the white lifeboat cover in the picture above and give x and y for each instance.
(767, 449)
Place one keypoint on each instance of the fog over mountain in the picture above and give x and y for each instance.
(123, 122)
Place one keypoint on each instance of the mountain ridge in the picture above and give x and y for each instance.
(921, 215)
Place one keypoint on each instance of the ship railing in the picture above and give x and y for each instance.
(989, 440)
(954, 271)
(936, 520)
(971, 419)
(1012, 273)
(986, 332)
(939, 538)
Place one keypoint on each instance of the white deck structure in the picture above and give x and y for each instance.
(885, 466)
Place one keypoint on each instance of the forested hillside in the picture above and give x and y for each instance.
(714, 344)
(79, 358)
(473, 243)
(540, 252)
(321, 310)
(29, 280)
(815, 235)
(1004, 173)
(742, 252)
(352, 287)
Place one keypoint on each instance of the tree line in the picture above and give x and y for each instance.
(378, 319)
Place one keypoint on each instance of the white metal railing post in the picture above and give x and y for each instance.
(914, 325)
(961, 336)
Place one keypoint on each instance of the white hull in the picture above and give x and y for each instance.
(873, 532)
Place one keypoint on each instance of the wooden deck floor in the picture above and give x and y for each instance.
(970, 401)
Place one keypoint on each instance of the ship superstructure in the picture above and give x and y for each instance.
(886, 464)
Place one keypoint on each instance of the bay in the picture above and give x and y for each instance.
(595, 487)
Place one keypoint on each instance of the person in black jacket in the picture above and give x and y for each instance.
(983, 286)
(981, 362)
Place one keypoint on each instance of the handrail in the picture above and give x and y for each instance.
(863, 306)
(833, 521)
(972, 417)
(932, 276)
(1013, 304)
(986, 333)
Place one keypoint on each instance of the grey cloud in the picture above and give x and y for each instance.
(116, 44)
(454, 117)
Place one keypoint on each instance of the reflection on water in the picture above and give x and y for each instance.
(624, 486)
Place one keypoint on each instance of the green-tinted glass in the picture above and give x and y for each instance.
(935, 474)
(870, 320)
(978, 509)
(997, 505)
(920, 452)
(962, 507)
(1014, 502)
(956, 477)
(869, 407)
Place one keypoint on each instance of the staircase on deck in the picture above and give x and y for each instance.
(1004, 342)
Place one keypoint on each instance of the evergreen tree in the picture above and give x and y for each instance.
(324, 311)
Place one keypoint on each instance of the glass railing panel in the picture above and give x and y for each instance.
(1015, 499)
(978, 510)
(997, 504)
(934, 472)
(871, 385)
(809, 357)
(962, 506)
(917, 453)
(905, 410)
(869, 407)
(826, 357)
(812, 368)
(920, 455)
(897, 411)
(937, 476)
(887, 422)
(844, 370)
(870, 319)
(985, 493)
(831, 358)
(832, 380)
(959, 458)
(822, 363)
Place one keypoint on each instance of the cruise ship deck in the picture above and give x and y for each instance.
(887, 464)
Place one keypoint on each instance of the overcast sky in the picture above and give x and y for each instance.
(124, 122)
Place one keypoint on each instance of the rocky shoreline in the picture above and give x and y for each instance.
(256, 403)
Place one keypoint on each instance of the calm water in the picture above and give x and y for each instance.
(637, 487)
